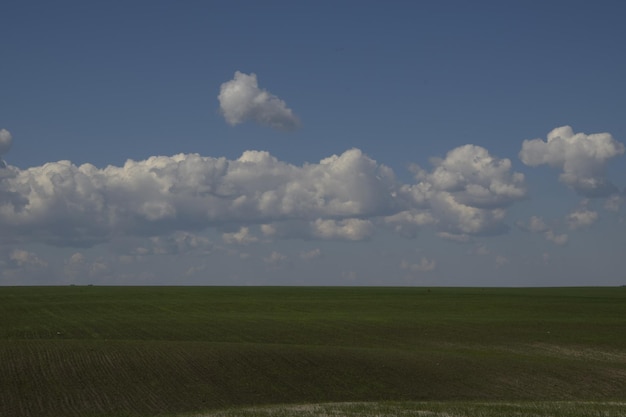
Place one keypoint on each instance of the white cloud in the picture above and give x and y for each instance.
(350, 276)
(179, 243)
(126, 259)
(6, 141)
(581, 217)
(64, 204)
(78, 266)
(467, 191)
(501, 261)
(22, 266)
(557, 239)
(322, 229)
(423, 265)
(276, 259)
(480, 250)
(457, 218)
(458, 238)
(196, 269)
(408, 222)
(477, 179)
(76, 259)
(581, 158)
(268, 230)
(22, 258)
(241, 100)
(176, 243)
(242, 237)
(536, 224)
(613, 203)
(347, 229)
(342, 197)
(310, 255)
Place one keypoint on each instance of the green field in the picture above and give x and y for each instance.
(148, 351)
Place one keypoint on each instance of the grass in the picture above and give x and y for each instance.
(430, 409)
(147, 351)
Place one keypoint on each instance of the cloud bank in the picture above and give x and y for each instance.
(257, 197)
(242, 100)
(342, 197)
(63, 204)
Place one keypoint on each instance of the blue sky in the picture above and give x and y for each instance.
(352, 143)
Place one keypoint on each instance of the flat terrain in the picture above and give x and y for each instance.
(147, 351)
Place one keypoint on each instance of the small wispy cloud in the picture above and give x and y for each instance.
(556, 238)
(614, 202)
(536, 224)
(501, 261)
(276, 260)
(424, 265)
(310, 255)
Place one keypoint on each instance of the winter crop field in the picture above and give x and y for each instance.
(293, 351)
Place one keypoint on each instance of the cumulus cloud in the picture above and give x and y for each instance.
(63, 204)
(6, 141)
(22, 258)
(454, 237)
(78, 266)
(477, 179)
(537, 225)
(581, 158)
(179, 242)
(241, 100)
(581, 218)
(407, 223)
(466, 193)
(23, 266)
(343, 197)
(321, 229)
(457, 218)
(241, 237)
(347, 229)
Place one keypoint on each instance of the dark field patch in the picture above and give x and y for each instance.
(145, 351)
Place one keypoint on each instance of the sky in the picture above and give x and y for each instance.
(404, 143)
